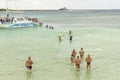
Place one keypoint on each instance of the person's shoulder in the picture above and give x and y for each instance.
(26, 60)
(29, 60)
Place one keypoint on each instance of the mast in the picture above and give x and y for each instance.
(6, 8)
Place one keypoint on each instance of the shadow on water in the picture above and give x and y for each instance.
(88, 74)
(78, 74)
(29, 75)
(70, 41)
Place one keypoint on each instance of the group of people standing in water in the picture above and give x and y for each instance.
(77, 59)
(49, 26)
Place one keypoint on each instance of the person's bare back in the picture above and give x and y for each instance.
(81, 52)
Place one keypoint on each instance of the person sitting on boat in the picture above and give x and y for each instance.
(14, 20)
(0, 20)
(7, 15)
(11, 20)
(3, 20)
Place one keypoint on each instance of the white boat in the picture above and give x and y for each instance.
(17, 22)
(11, 21)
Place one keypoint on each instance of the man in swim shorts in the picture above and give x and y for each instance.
(29, 63)
(88, 60)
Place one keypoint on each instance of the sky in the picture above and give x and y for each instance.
(56, 4)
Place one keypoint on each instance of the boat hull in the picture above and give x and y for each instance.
(18, 25)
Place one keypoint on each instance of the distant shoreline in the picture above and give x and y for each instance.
(62, 10)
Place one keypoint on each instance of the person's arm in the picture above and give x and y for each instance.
(75, 61)
(86, 60)
(25, 63)
(75, 53)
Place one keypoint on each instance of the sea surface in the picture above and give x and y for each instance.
(97, 31)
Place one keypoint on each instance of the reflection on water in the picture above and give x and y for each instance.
(88, 75)
(29, 75)
(77, 74)
(70, 42)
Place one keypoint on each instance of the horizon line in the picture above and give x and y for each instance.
(58, 9)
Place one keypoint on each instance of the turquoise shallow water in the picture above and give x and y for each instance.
(51, 58)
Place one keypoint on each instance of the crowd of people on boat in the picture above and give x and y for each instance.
(6, 20)
(10, 20)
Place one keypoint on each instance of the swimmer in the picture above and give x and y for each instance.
(70, 32)
(71, 37)
(46, 26)
(77, 63)
(29, 63)
(52, 27)
(88, 60)
(81, 52)
(60, 38)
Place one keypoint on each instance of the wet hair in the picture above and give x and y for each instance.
(29, 57)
